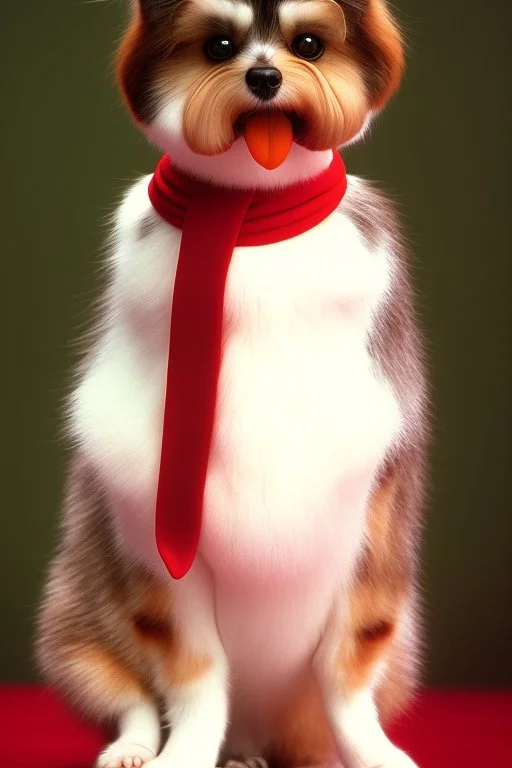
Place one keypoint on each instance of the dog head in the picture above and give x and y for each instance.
(194, 71)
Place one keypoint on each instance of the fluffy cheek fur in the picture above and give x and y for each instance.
(329, 97)
(207, 104)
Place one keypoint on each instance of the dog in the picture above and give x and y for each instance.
(295, 634)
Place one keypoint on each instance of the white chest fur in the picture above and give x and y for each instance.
(302, 419)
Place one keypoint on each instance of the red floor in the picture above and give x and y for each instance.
(466, 730)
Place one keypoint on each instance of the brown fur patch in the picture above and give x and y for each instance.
(382, 588)
(183, 668)
(94, 679)
(154, 630)
(380, 515)
(83, 635)
(103, 673)
(135, 60)
(328, 95)
(152, 600)
(375, 41)
(215, 99)
(174, 665)
(303, 735)
(385, 37)
(359, 655)
(106, 635)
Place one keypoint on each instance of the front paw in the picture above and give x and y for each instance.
(124, 754)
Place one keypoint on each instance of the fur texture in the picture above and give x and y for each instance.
(294, 634)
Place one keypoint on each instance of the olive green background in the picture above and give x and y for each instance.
(442, 148)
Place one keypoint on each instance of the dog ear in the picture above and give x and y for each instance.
(382, 39)
(140, 50)
(155, 10)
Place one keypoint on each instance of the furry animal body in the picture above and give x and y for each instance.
(294, 635)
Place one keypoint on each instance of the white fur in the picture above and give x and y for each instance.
(138, 741)
(198, 711)
(258, 51)
(353, 715)
(198, 715)
(361, 740)
(238, 12)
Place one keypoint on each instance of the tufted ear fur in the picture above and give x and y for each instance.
(145, 42)
(155, 10)
(377, 44)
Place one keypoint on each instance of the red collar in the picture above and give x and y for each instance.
(214, 220)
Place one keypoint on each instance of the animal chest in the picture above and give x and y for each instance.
(302, 417)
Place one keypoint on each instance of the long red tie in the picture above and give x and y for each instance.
(214, 220)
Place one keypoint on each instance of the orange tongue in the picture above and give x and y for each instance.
(269, 136)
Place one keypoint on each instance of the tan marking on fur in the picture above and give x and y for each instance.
(380, 513)
(396, 687)
(102, 668)
(329, 95)
(303, 735)
(183, 668)
(152, 599)
(95, 680)
(214, 102)
(376, 600)
(174, 664)
(129, 63)
(360, 653)
(154, 630)
(384, 34)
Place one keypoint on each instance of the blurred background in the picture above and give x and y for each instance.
(442, 149)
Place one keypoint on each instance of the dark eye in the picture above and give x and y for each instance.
(308, 47)
(219, 49)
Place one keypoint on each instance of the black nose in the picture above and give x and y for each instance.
(264, 82)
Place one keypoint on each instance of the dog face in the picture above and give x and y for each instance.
(197, 69)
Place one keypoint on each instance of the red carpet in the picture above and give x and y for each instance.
(443, 730)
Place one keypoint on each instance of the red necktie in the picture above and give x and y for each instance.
(214, 220)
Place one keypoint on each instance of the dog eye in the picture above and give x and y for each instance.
(308, 47)
(219, 49)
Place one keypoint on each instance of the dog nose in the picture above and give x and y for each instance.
(264, 82)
